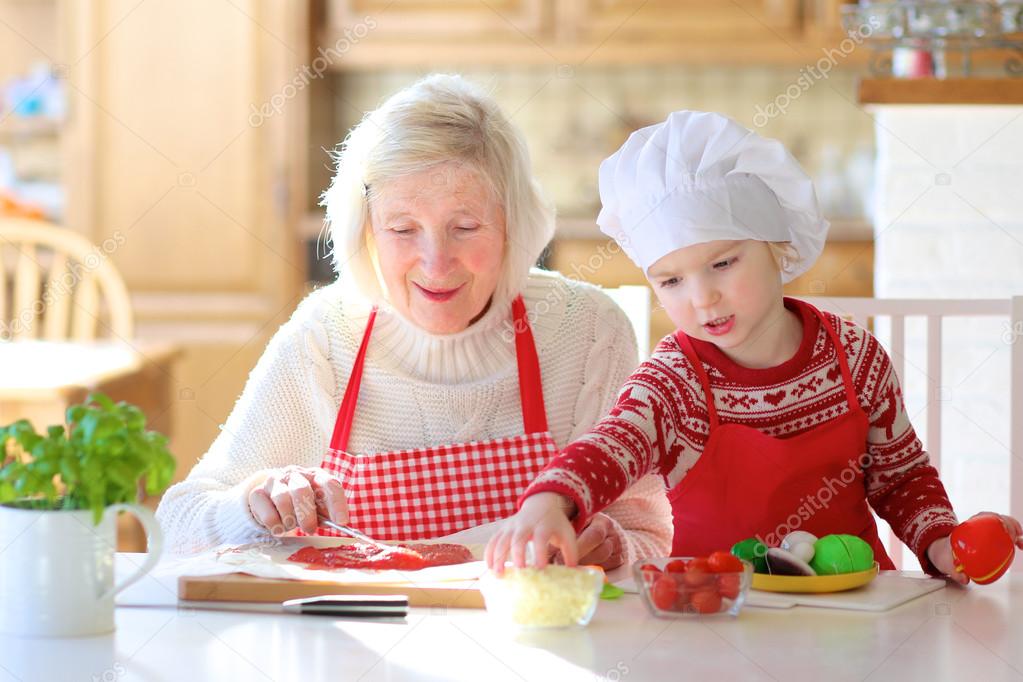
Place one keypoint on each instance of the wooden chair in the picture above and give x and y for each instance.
(863, 311)
(57, 286)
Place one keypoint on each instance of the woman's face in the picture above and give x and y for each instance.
(439, 236)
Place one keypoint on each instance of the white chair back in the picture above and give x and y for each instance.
(864, 311)
(635, 301)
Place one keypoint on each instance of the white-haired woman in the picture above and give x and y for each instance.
(419, 395)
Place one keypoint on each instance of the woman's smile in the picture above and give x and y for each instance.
(438, 294)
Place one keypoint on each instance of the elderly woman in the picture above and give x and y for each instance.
(420, 394)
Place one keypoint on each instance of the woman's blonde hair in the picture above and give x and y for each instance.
(441, 118)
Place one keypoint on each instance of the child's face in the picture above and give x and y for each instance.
(734, 283)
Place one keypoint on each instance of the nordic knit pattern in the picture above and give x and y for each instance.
(418, 390)
(660, 424)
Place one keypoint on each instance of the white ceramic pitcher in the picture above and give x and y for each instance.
(57, 569)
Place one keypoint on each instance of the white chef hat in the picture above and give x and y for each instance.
(701, 177)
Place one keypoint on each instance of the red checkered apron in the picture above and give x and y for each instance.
(431, 492)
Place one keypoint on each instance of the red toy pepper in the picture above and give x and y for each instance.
(982, 548)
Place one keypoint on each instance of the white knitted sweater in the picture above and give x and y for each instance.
(418, 390)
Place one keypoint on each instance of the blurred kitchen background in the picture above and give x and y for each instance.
(189, 141)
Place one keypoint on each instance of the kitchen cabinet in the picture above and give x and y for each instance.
(409, 33)
(511, 20)
(568, 33)
(178, 147)
(596, 22)
(194, 123)
(824, 17)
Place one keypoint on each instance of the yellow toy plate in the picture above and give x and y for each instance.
(814, 583)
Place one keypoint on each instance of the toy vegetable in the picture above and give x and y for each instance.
(982, 548)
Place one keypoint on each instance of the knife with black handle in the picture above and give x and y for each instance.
(337, 605)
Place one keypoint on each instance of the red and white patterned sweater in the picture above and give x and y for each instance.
(660, 423)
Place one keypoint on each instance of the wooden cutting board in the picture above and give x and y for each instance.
(247, 588)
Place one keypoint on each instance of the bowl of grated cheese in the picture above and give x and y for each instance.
(552, 597)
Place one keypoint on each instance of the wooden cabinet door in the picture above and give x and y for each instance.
(824, 17)
(185, 116)
(419, 33)
(676, 21)
(424, 33)
(438, 22)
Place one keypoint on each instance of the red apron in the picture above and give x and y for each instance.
(431, 492)
(747, 484)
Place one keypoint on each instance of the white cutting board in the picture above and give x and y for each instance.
(888, 590)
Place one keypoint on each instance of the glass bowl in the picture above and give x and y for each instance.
(553, 597)
(670, 590)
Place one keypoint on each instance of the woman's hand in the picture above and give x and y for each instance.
(940, 551)
(295, 497)
(543, 518)
(600, 545)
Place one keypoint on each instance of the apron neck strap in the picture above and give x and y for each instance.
(690, 352)
(843, 361)
(534, 414)
(346, 415)
(687, 347)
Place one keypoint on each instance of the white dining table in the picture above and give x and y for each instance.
(973, 634)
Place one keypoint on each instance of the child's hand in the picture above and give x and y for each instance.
(543, 518)
(940, 551)
(940, 554)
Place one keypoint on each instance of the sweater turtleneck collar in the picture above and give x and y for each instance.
(484, 350)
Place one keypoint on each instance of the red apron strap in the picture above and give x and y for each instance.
(346, 415)
(843, 362)
(687, 347)
(534, 414)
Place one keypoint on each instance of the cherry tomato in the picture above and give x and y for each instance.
(676, 566)
(706, 601)
(699, 564)
(728, 585)
(697, 572)
(724, 562)
(649, 568)
(682, 600)
(663, 592)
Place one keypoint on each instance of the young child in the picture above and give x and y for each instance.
(762, 414)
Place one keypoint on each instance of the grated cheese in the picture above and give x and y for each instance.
(556, 596)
